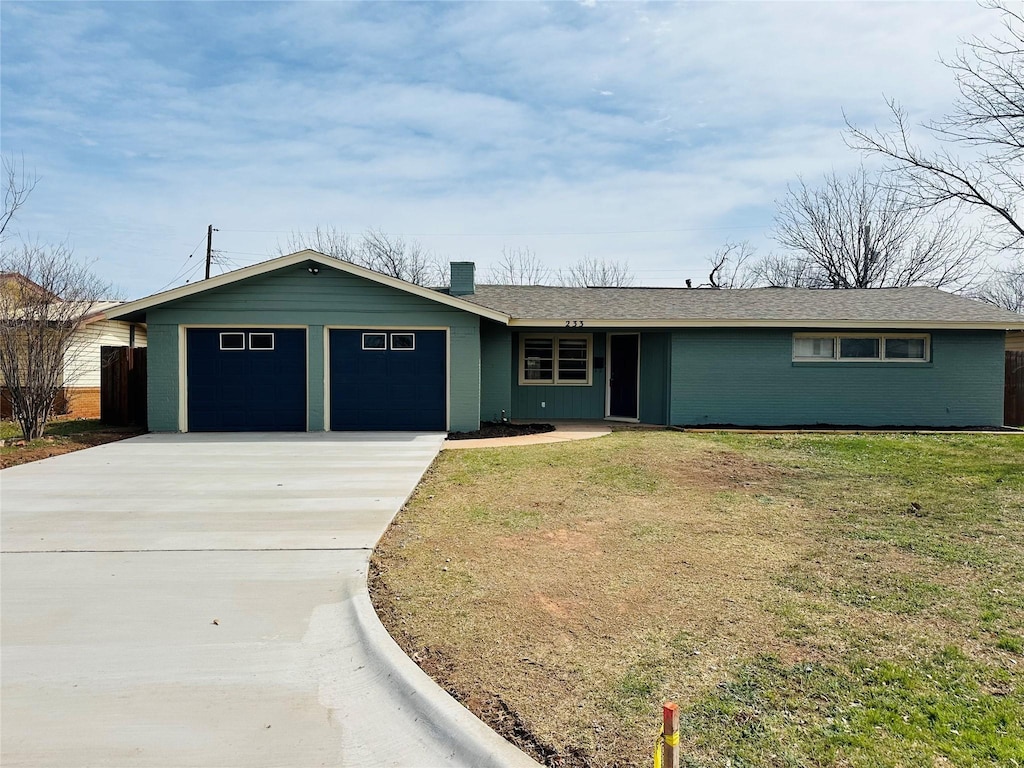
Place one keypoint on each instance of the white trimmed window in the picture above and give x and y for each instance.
(232, 341)
(261, 341)
(375, 341)
(551, 358)
(403, 341)
(861, 347)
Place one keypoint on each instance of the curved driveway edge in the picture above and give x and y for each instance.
(200, 600)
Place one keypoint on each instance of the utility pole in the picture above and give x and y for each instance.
(209, 248)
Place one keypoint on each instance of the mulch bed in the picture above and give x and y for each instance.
(500, 429)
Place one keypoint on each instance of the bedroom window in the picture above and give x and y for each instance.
(561, 359)
(861, 347)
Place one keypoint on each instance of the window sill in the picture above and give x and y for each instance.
(861, 364)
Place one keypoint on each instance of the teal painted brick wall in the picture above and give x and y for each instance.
(747, 377)
(495, 371)
(162, 377)
(315, 382)
(654, 377)
(293, 296)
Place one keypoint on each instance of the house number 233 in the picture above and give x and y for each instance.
(573, 323)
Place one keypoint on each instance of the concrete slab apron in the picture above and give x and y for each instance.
(118, 560)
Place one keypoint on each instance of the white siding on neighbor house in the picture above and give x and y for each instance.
(82, 360)
(1015, 341)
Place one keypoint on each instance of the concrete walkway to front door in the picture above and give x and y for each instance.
(200, 600)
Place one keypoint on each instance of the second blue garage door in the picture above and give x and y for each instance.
(388, 380)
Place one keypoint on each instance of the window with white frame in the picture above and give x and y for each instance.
(561, 359)
(403, 341)
(232, 341)
(375, 341)
(261, 341)
(861, 347)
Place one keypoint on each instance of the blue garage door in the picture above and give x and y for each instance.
(246, 379)
(392, 379)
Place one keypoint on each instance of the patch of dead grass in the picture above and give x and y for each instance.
(563, 591)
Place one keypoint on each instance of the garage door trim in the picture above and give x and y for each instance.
(397, 327)
(183, 361)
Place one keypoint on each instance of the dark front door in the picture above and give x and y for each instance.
(623, 367)
(246, 379)
(391, 379)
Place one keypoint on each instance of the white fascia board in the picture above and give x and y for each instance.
(581, 325)
(298, 258)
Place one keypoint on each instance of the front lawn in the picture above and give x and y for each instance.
(806, 599)
(60, 436)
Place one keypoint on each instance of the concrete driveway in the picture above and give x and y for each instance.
(199, 600)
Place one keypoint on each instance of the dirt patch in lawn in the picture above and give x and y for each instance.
(16, 451)
(587, 576)
(770, 584)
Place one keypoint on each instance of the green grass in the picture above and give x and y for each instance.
(808, 600)
(10, 430)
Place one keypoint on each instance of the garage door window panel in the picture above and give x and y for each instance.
(373, 341)
(403, 342)
(261, 342)
(232, 341)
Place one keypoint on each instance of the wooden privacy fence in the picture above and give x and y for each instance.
(1013, 400)
(123, 386)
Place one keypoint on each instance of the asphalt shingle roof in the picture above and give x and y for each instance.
(927, 306)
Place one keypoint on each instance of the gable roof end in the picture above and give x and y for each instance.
(292, 259)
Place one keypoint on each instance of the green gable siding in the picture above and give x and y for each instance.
(747, 377)
(293, 296)
(495, 371)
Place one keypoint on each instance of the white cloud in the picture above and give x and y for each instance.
(474, 126)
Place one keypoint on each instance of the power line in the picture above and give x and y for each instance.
(528, 234)
(184, 266)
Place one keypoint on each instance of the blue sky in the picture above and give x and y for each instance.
(645, 133)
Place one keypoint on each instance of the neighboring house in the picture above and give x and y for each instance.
(80, 393)
(1015, 341)
(83, 360)
(308, 342)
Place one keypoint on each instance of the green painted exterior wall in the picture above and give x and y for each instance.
(655, 349)
(747, 377)
(162, 377)
(495, 371)
(293, 296)
(542, 401)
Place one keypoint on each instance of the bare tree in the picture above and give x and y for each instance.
(376, 250)
(731, 266)
(1006, 287)
(519, 266)
(329, 241)
(855, 232)
(45, 297)
(986, 122)
(394, 256)
(18, 185)
(596, 273)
